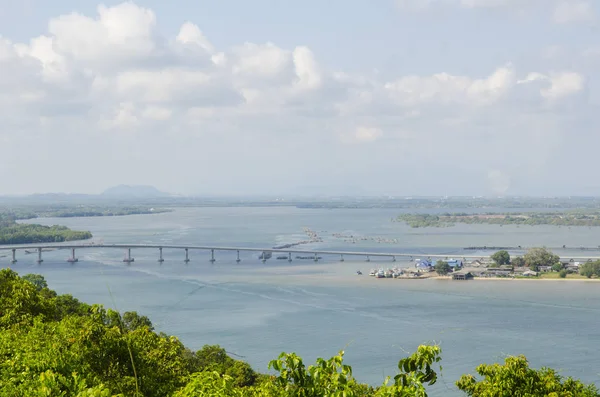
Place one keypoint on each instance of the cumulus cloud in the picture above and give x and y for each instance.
(110, 91)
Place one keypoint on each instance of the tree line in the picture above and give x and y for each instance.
(20, 233)
(571, 218)
(54, 345)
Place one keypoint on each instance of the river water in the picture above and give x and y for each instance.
(258, 310)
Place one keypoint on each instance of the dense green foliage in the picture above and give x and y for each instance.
(570, 218)
(12, 232)
(90, 211)
(442, 268)
(501, 257)
(19, 233)
(519, 261)
(590, 269)
(54, 345)
(69, 211)
(516, 379)
(536, 257)
(423, 220)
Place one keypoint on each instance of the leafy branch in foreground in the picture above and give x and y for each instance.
(54, 345)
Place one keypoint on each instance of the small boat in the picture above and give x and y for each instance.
(373, 273)
(359, 272)
(380, 274)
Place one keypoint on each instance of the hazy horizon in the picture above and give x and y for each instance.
(394, 98)
(307, 196)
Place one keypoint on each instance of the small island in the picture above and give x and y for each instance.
(568, 218)
(92, 211)
(12, 232)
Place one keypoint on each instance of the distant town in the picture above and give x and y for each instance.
(536, 263)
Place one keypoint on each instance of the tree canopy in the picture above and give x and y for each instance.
(442, 268)
(514, 378)
(54, 345)
(501, 257)
(590, 269)
(536, 257)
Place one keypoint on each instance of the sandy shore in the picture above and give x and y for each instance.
(519, 279)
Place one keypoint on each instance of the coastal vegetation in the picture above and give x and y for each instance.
(566, 218)
(69, 211)
(536, 257)
(590, 269)
(54, 345)
(442, 268)
(501, 257)
(12, 232)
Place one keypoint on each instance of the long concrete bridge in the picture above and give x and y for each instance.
(265, 253)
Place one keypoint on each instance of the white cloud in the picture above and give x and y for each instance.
(218, 117)
(558, 85)
(446, 89)
(120, 33)
(191, 34)
(571, 11)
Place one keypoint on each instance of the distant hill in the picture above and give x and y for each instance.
(134, 191)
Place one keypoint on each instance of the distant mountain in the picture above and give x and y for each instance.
(140, 191)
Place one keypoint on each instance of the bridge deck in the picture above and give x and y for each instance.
(248, 249)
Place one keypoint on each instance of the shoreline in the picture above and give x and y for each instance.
(517, 279)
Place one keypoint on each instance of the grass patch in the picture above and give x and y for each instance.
(555, 275)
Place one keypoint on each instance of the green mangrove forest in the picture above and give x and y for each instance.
(12, 232)
(55, 345)
(570, 218)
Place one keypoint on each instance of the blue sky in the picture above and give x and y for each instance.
(398, 97)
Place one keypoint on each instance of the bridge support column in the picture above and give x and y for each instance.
(341, 257)
(72, 259)
(238, 260)
(316, 257)
(39, 260)
(14, 256)
(212, 256)
(289, 257)
(368, 259)
(187, 257)
(160, 255)
(128, 258)
(264, 257)
(393, 259)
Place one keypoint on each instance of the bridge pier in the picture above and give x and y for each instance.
(316, 257)
(128, 258)
(368, 259)
(160, 255)
(187, 257)
(72, 259)
(341, 257)
(14, 256)
(264, 257)
(393, 258)
(39, 260)
(289, 257)
(212, 256)
(238, 260)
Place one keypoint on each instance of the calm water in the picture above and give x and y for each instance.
(258, 310)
